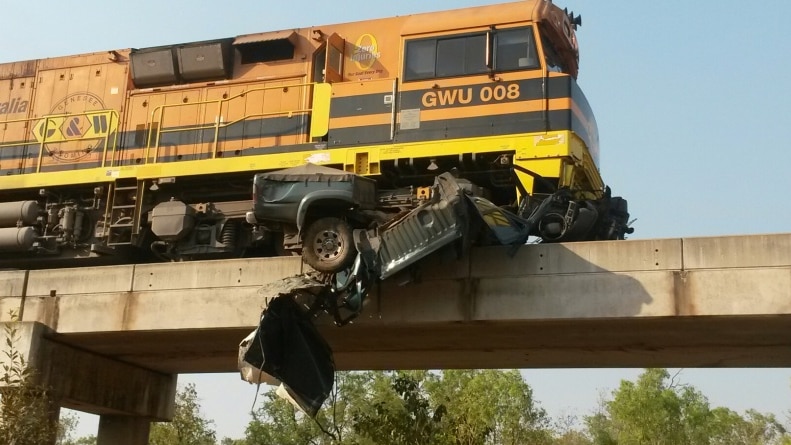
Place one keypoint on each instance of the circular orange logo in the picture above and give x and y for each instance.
(366, 52)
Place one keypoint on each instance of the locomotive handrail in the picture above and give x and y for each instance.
(154, 136)
(44, 127)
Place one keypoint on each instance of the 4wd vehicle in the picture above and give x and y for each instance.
(313, 209)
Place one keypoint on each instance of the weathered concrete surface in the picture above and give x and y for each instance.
(123, 430)
(26, 339)
(721, 301)
(90, 382)
(100, 385)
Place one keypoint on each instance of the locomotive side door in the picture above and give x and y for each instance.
(328, 60)
(333, 67)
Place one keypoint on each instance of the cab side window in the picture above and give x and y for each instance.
(461, 56)
(466, 54)
(421, 56)
(515, 50)
(445, 57)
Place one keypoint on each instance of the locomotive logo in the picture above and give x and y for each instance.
(366, 52)
(76, 126)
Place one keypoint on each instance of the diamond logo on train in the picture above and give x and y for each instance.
(76, 126)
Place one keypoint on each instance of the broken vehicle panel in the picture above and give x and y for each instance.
(287, 348)
(286, 195)
(431, 226)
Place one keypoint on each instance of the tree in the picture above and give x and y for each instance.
(600, 430)
(399, 411)
(657, 410)
(753, 428)
(188, 426)
(67, 426)
(488, 407)
(408, 407)
(26, 414)
(276, 421)
(566, 431)
(654, 410)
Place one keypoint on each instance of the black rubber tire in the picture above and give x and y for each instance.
(328, 246)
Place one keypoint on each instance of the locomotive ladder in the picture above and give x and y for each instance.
(123, 210)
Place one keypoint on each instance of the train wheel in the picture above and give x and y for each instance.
(328, 245)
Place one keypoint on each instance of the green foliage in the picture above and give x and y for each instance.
(572, 438)
(410, 407)
(276, 421)
(26, 415)
(86, 440)
(399, 411)
(67, 426)
(188, 426)
(753, 429)
(489, 407)
(566, 431)
(657, 410)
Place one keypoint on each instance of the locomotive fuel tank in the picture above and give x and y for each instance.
(17, 239)
(21, 213)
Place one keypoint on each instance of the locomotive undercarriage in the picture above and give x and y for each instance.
(177, 219)
(49, 223)
(67, 227)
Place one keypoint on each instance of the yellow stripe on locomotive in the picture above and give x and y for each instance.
(477, 89)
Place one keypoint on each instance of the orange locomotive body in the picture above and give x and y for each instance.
(125, 154)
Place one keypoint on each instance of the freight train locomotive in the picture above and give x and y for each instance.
(139, 154)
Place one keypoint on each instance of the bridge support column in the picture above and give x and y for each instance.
(126, 397)
(123, 430)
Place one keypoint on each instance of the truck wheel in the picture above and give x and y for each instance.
(328, 245)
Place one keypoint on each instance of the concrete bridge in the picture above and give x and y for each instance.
(111, 340)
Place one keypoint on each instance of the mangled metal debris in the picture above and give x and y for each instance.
(287, 349)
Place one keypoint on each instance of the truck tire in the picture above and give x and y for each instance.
(328, 245)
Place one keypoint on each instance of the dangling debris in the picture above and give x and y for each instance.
(287, 348)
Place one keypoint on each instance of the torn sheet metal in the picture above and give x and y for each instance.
(450, 214)
(287, 348)
(424, 230)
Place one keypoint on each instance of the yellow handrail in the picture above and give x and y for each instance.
(154, 136)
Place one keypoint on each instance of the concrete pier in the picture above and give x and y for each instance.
(112, 339)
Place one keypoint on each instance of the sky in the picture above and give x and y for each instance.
(691, 99)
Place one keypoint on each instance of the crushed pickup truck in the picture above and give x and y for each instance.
(286, 348)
